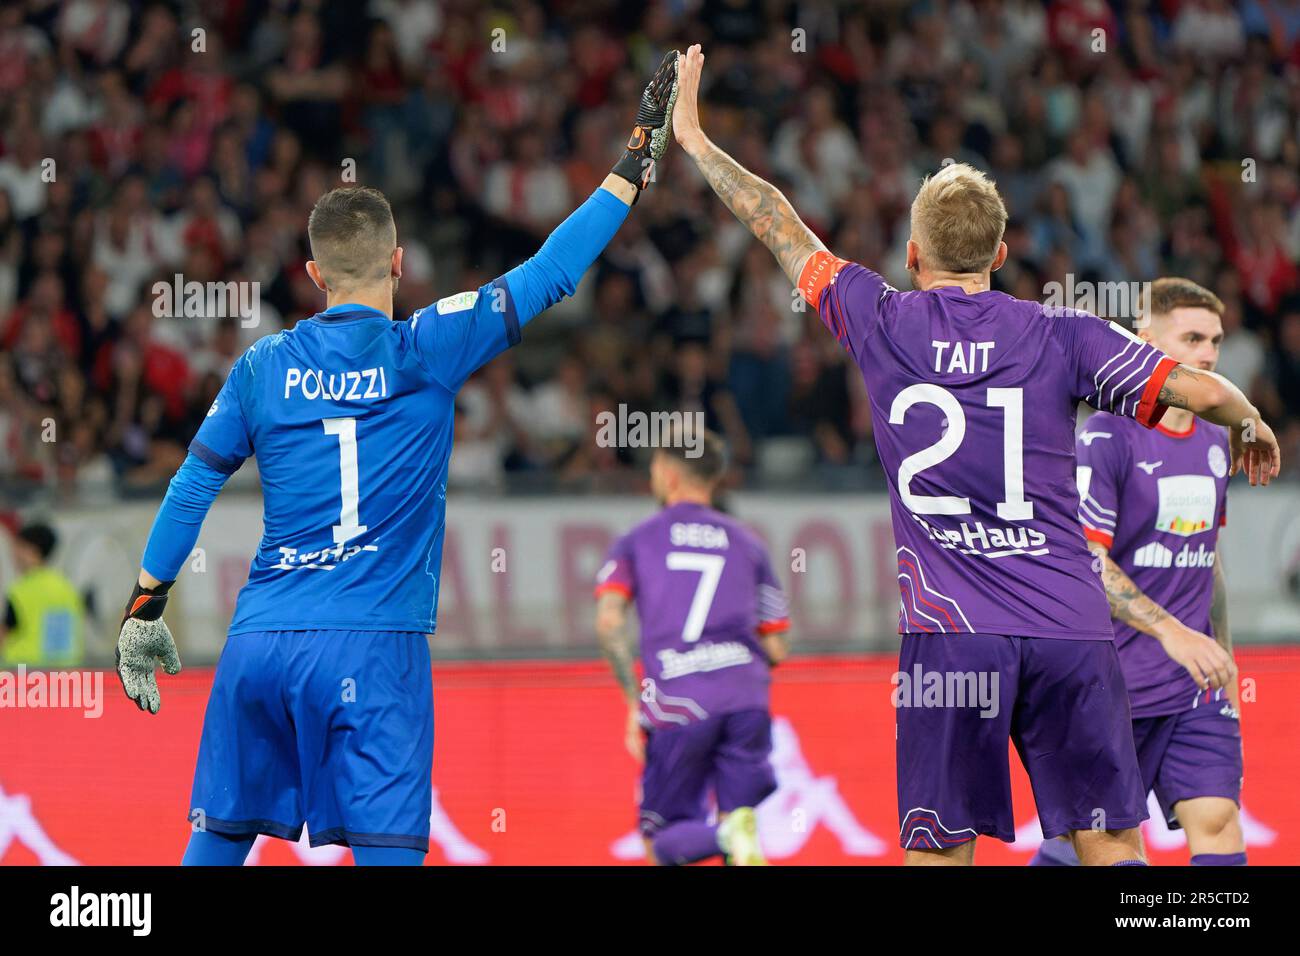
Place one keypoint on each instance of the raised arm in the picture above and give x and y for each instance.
(1214, 398)
(755, 202)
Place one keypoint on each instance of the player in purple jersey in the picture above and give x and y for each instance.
(713, 622)
(1151, 505)
(1006, 629)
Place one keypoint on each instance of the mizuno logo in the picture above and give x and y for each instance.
(1149, 466)
(1087, 437)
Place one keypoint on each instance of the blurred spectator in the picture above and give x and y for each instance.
(1129, 141)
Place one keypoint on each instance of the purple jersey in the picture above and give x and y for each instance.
(704, 592)
(973, 406)
(1156, 499)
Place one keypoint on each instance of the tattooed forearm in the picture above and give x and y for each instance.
(1208, 395)
(1219, 606)
(616, 645)
(619, 654)
(1171, 392)
(1127, 602)
(762, 208)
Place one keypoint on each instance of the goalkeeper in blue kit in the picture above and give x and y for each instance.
(321, 712)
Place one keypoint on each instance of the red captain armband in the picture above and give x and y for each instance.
(613, 587)
(1099, 537)
(817, 274)
(1149, 411)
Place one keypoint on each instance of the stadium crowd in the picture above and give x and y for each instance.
(144, 141)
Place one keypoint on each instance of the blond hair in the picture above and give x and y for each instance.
(958, 219)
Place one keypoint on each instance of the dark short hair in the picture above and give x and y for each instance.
(352, 236)
(41, 537)
(708, 466)
(1174, 292)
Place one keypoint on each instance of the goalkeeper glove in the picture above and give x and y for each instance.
(143, 641)
(649, 140)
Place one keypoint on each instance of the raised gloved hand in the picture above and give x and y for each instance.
(144, 642)
(649, 140)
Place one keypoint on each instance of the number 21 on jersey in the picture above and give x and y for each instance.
(1014, 506)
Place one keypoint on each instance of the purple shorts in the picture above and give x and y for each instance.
(959, 697)
(1193, 754)
(728, 751)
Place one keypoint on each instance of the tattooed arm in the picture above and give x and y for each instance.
(756, 203)
(1214, 398)
(1219, 619)
(1208, 663)
(616, 645)
(615, 642)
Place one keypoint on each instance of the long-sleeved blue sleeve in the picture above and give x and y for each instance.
(176, 526)
(462, 332)
(554, 271)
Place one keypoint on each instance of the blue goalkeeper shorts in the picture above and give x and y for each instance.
(331, 729)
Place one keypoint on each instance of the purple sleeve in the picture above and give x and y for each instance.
(847, 296)
(1099, 449)
(1113, 370)
(618, 574)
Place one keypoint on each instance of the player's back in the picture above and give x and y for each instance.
(973, 405)
(704, 592)
(352, 436)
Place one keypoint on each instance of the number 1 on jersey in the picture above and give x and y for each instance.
(709, 567)
(349, 525)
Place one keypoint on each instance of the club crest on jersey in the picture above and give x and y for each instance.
(1218, 461)
(1187, 504)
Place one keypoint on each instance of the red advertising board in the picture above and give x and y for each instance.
(529, 768)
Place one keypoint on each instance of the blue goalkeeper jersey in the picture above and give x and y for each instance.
(350, 416)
